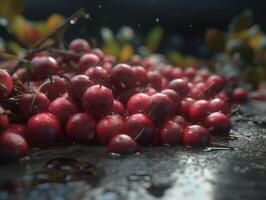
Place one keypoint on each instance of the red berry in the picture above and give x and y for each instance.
(215, 83)
(43, 129)
(179, 120)
(79, 46)
(79, 84)
(6, 84)
(4, 122)
(155, 80)
(240, 95)
(140, 76)
(199, 110)
(180, 86)
(185, 106)
(138, 103)
(141, 128)
(218, 124)
(31, 104)
(196, 136)
(190, 72)
(44, 66)
(219, 105)
(160, 107)
(124, 95)
(12, 146)
(98, 100)
(62, 109)
(176, 73)
(175, 97)
(81, 127)
(87, 61)
(117, 108)
(122, 76)
(108, 127)
(17, 129)
(98, 75)
(171, 133)
(123, 144)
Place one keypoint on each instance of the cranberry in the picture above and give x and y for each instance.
(149, 91)
(185, 106)
(123, 144)
(117, 108)
(62, 109)
(12, 146)
(138, 103)
(223, 95)
(215, 83)
(141, 128)
(122, 76)
(17, 129)
(198, 91)
(199, 110)
(31, 104)
(43, 129)
(81, 127)
(196, 136)
(98, 100)
(190, 72)
(54, 89)
(79, 46)
(160, 107)
(108, 127)
(257, 96)
(180, 86)
(140, 76)
(155, 80)
(6, 84)
(99, 75)
(79, 84)
(175, 97)
(240, 95)
(179, 120)
(171, 133)
(176, 73)
(219, 105)
(218, 124)
(124, 95)
(44, 66)
(87, 61)
(4, 122)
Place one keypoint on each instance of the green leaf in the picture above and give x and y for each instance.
(241, 22)
(154, 38)
(11, 8)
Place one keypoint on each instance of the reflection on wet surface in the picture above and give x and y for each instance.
(216, 172)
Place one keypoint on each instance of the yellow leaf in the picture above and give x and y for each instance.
(11, 8)
(126, 52)
(215, 39)
(53, 21)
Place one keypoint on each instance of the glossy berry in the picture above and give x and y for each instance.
(160, 107)
(99, 75)
(185, 106)
(6, 84)
(62, 109)
(215, 83)
(219, 105)
(122, 76)
(44, 66)
(98, 100)
(175, 97)
(81, 127)
(141, 128)
(123, 144)
(155, 80)
(199, 110)
(87, 61)
(108, 127)
(31, 104)
(117, 108)
(17, 129)
(196, 136)
(177, 119)
(138, 103)
(140, 76)
(240, 95)
(43, 129)
(218, 124)
(12, 147)
(79, 45)
(79, 84)
(171, 133)
(124, 95)
(180, 86)
(176, 73)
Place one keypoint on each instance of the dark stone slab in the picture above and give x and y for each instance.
(157, 172)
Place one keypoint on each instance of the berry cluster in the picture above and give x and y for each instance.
(87, 97)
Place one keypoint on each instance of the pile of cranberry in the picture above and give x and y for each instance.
(86, 97)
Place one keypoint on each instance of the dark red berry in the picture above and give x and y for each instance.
(140, 76)
(43, 129)
(4, 122)
(138, 103)
(240, 95)
(108, 127)
(79, 84)
(171, 133)
(79, 46)
(218, 124)
(117, 108)
(98, 75)
(6, 84)
(176, 73)
(155, 80)
(123, 144)
(17, 129)
(87, 61)
(12, 146)
(175, 97)
(185, 106)
(141, 128)
(215, 83)
(199, 110)
(180, 86)
(81, 127)
(196, 136)
(219, 105)
(122, 76)
(98, 100)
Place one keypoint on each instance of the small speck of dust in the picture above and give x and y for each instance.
(138, 25)
(157, 20)
(100, 6)
(190, 25)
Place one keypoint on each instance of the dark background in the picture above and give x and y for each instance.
(183, 16)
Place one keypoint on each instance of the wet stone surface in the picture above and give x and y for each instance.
(88, 172)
